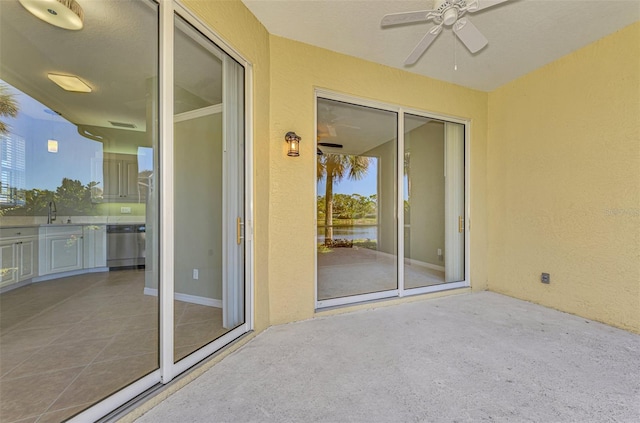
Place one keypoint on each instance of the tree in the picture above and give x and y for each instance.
(8, 107)
(334, 167)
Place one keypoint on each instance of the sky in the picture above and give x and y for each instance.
(77, 157)
(365, 186)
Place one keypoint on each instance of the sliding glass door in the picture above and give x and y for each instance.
(433, 187)
(362, 184)
(356, 164)
(122, 205)
(208, 191)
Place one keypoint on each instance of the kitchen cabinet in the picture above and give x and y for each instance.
(94, 245)
(120, 173)
(18, 258)
(61, 249)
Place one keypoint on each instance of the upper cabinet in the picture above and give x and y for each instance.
(121, 179)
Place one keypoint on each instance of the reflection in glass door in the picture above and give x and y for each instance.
(209, 194)
(78, 175)
(356, 201)
(362, 183)
(433, 195)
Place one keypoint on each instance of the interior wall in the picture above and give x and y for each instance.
(198, 211)
(564, 183)
(296, 70)
(387, 198)
(427, 192)
(232, 21)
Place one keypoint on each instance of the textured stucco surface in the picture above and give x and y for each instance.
(296, 70)
(465, 358)
(564, 183)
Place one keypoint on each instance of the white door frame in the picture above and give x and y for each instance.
(168, 369)
(401, 111)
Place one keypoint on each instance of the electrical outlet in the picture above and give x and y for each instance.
(125, 210)
(545, 278)
(439, 251)
(195, 274)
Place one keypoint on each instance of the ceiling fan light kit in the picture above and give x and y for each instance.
(67, 14)
(447, 13)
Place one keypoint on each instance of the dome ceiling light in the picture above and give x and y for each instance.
(65, 14)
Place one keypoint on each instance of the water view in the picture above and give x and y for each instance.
(350, 233)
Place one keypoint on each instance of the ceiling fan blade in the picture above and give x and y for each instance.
(406, 17)
(423, 45)
(476, 5)
(330, 144)
(470, 36)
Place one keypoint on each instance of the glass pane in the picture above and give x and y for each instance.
(77, 209)
(209, 298)
(356, 200)
(433, 202)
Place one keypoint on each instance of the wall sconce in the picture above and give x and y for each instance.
(294, 144)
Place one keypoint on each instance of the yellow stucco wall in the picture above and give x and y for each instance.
(233, 22)
(564, 183)
(296, 70)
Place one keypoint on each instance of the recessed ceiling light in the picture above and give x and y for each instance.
(70, 83)
(65, 14)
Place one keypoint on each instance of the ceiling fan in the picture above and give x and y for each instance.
(447, 13)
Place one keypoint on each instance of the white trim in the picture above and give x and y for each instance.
(387, 106)
(194, 114)
(249, 246)
(424, 264)
(166, 188)
(187, 298)
(400, 203)
(467, 203)
(116, 400)
(334, 302)
(436, 288)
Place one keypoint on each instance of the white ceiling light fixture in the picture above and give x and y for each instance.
(70, 83)
(65, 14)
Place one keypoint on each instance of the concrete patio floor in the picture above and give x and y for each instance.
(461, 358)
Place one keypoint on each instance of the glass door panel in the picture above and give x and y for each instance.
(208, 184)
(356, 204)
(433, 194)
(77, 323)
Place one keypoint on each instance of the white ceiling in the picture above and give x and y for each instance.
(115, 53)
(523, 34)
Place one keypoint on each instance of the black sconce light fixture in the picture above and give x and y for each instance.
(294, 144)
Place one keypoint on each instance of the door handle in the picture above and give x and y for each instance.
(460, 224)
(238, 231)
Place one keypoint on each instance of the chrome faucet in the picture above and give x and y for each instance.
(52, 213)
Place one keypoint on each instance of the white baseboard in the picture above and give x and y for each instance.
(193, 299)
(424, 264)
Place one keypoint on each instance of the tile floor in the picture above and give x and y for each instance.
(68, 343)
(351, 271)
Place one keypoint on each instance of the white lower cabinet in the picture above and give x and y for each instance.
(18, 257)
(60, 249)
(95, 246)
(8, 263)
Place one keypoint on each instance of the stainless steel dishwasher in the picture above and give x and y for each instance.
(125, 246)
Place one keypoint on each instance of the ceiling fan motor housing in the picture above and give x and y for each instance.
(450, 16)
